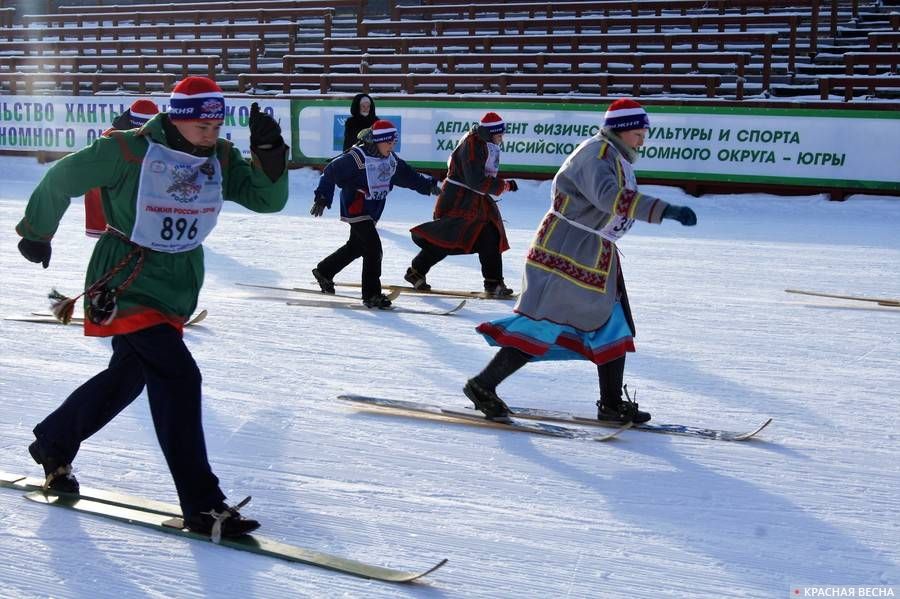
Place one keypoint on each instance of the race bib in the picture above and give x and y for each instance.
(619, 224)
(492, 162)
(178, 201)
(379, 172)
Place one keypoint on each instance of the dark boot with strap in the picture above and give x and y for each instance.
(611, 407)
(623, 411)
(221, 522)
(57, 474)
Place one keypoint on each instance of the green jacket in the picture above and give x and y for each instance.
(168, 283)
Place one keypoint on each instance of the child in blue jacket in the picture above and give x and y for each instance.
(366, 173)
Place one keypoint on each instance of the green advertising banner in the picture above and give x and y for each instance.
(819, 147)
(69, 123)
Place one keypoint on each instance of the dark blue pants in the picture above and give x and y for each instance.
(364, 242)
(158, 359)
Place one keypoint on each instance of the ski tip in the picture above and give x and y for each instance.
(753, 433)
(440, 564)
(200, 317)
(615, 433)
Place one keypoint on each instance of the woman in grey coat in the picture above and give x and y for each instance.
(573, 303)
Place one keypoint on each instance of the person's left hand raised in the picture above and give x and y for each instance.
(265, 133)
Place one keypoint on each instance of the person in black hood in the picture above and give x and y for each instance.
(362, 116)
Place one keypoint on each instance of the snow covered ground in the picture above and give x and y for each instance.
(720, 344)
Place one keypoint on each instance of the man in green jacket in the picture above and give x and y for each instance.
(162, 188)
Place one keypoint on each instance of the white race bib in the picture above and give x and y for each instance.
(379, 172)
(618, 225)
(178, 201)
(492, 162)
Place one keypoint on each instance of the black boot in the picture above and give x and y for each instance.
(482, 389)
(417, 280)
(221, 522)
(326, 284)
(486, 400)
(496, 288)
(623, 411)
(611, 407)
(380, 301)
(58, 475)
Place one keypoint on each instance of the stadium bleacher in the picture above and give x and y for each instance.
(751, 48)
(669, 51)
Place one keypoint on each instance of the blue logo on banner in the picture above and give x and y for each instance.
(337, 133)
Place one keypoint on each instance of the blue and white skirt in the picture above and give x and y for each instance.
(545, 340)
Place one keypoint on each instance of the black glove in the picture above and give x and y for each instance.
(265, 133)
(511, 185)
(682, 214)
(123, 121)
(318, 207)
(36, 251)
(435, 187)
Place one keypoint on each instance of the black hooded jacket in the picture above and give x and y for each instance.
(357, 122)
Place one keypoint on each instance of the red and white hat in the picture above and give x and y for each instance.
(493, 123)
(625, 114)
(142, 111)
(197, 98)
(383, 131)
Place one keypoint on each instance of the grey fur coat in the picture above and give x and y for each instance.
(572, 267)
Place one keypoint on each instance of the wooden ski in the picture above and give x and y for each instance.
(438, 292)
(893, 303)
(392, 295)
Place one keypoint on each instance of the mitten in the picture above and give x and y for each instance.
(265, 133)
(318, 207)
(36, 251)
(682, 214)
(123, 121)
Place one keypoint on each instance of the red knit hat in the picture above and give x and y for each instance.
(383, 131)
(142, 111)
(197, 98)
(493, 123)
(625, 114)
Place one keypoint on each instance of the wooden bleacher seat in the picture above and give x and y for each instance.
(227, 49)
(141, 81)
(7, 15)
(549, 10)
(600, 24)
(851, 82)
(502, 83)
(871, 60)
(356, 7)
(218, 30)
(573, 62)
(884, 40)
(304, 17)
(121, 63)
(761, 40)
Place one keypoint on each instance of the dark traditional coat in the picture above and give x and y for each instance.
(463, 211)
